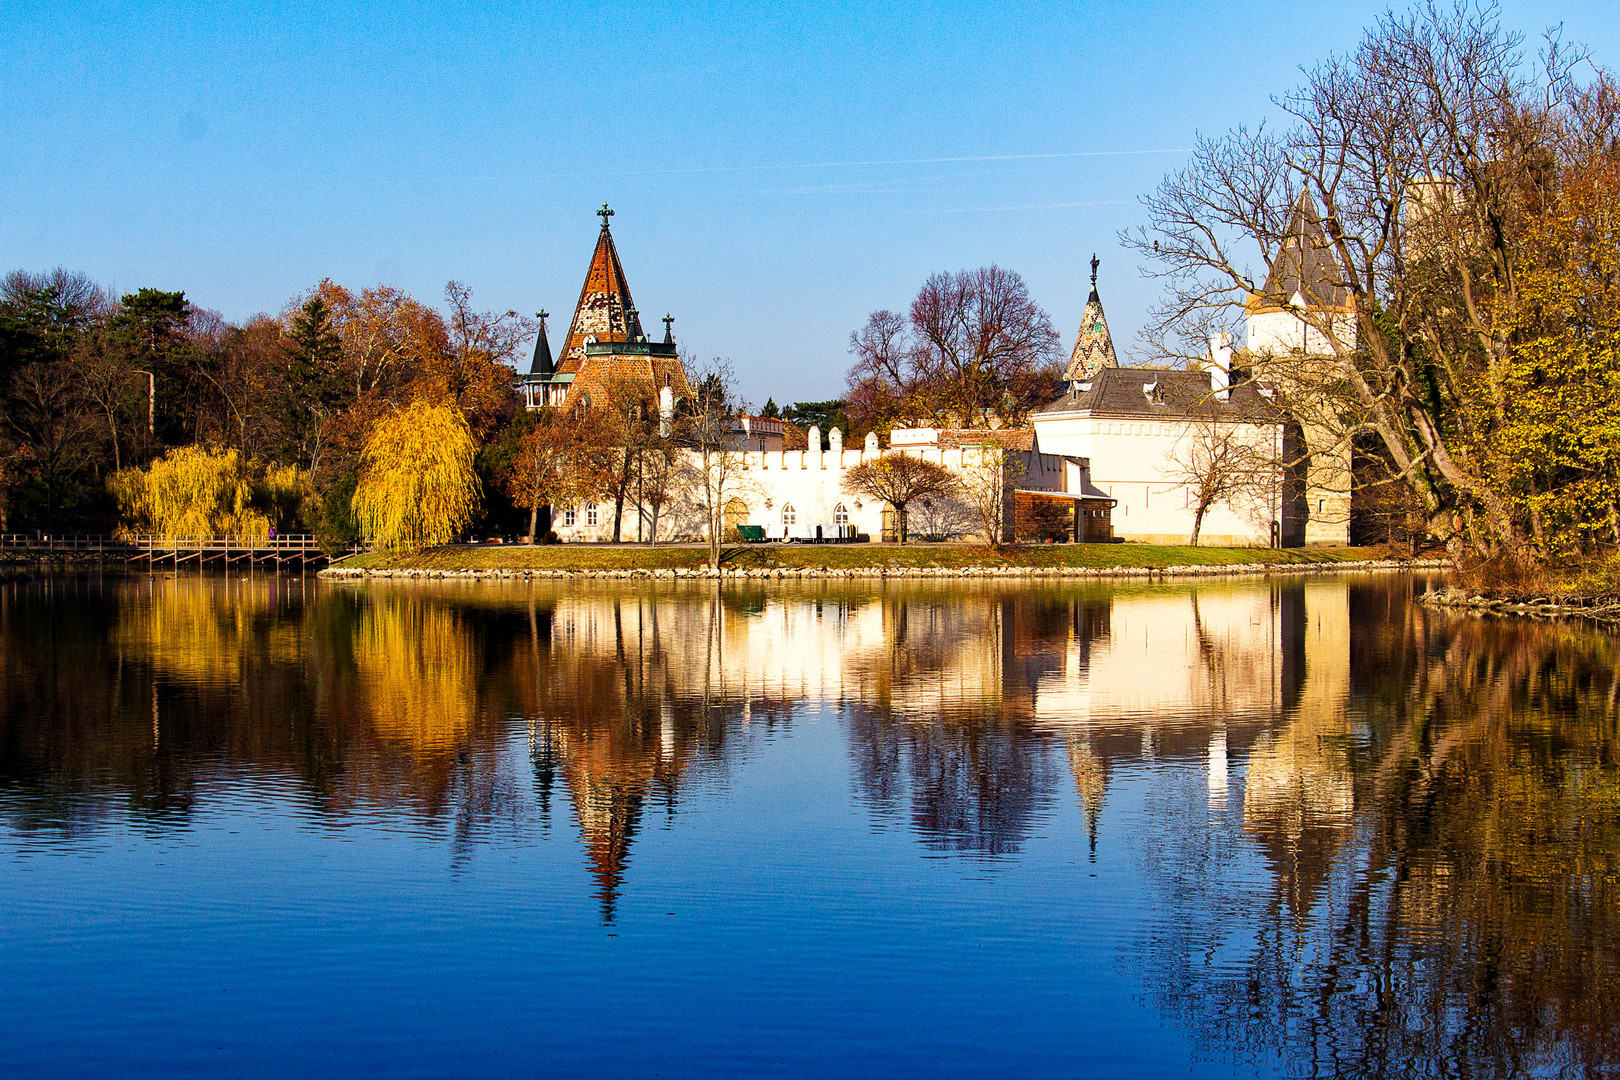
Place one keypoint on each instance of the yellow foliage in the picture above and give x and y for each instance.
(288, 490)
(417, 671)
(189, 491)
(417, 485)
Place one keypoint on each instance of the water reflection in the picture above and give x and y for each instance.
(1374, 839)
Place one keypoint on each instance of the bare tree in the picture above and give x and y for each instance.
(987, 484)
(1219, 459)
(975, 350)
(707, 426)
(1416, 159)
(899, 479)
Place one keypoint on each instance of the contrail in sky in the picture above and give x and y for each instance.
(846, 164)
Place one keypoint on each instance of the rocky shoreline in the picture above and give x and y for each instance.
(1596, 609)
(813, 573)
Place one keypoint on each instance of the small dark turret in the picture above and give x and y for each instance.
(669, 334)
(543, 364)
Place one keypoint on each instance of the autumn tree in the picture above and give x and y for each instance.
(899, 479)
(190, 491)
(973, 351)
(564, 459)
(417, 487)
(1425, 155)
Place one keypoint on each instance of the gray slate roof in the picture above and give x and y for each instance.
(1306, 265)
(1120, 392)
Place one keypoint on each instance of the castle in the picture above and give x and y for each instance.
(1111, 455)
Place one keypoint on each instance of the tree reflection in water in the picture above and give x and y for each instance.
(1442, 857)
(1377, 840)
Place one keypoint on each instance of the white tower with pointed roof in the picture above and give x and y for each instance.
(1301, 329)
(1304, 305)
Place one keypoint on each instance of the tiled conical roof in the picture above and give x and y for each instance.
(1093, 346)
(605, 311)
(1305, 266)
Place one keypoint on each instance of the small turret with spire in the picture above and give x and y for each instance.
(1093, 346)
(543, 364)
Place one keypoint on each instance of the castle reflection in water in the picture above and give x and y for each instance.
(969, 710)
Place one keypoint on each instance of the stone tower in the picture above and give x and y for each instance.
(605, 347)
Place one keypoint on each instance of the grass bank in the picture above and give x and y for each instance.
(589, 558)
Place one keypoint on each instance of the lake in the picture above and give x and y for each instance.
(1266, 827)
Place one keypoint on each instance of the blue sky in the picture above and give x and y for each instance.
(777, 173)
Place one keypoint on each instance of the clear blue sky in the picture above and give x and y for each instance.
(776, 174)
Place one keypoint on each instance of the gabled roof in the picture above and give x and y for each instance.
(1306, 265)
(1160, 394)
(605, 311)
(1093, 346)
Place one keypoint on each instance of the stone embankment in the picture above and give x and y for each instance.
(343, 573)
(1604, 609)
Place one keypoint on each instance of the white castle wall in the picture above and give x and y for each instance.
(811, 483)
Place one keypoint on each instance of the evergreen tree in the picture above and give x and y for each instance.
(770, 410)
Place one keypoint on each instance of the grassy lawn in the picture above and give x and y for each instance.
(840, 556)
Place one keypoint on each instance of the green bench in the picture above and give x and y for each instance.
(751, 534)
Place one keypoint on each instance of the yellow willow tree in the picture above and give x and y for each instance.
(417, 485)
(189, 491)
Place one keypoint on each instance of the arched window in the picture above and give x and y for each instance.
(590, 513)
(840, 514)
(568, 518)
(790, 516)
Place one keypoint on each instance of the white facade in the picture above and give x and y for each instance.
(1136, 468)
(791, 492)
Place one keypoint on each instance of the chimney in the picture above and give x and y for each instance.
(1220, 366)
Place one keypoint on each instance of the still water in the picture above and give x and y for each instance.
(266, 826)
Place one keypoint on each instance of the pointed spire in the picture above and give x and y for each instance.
(604, 311)
(1306, 266)
(543, 364)
(669, 332)
(1093, 346)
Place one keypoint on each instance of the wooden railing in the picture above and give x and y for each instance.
(298, 549)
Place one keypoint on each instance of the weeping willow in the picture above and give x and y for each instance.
(417, 485)
(189, 491)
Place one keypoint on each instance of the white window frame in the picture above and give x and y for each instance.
(790, 516)
(590, 514)
(840, 514)
(568, 518)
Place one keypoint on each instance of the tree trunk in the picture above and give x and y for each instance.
(900, 522)
(1198, 524)
(534, 522)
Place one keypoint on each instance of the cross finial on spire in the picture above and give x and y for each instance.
(1095, 262)
(541, 315)
(604, 214)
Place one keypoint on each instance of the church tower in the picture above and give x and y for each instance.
(605, 347)
(1093, 346)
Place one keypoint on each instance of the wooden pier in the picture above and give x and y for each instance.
(295, 553)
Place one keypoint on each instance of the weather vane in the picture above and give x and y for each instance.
(1094, 263)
